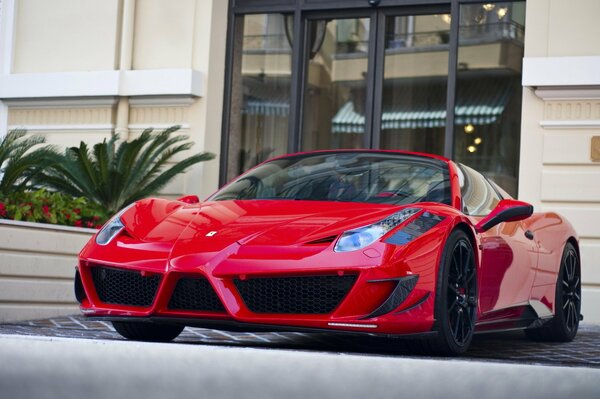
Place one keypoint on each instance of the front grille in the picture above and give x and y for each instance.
(301, 295)
(195, 294)
(124, 287)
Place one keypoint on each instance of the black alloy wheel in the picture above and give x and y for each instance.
(462, 293)
(563, 327)
(456, 298)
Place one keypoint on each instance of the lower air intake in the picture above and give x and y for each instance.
(299, 295)
(124, 287)
(195, 294)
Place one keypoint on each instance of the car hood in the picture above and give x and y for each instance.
(215, 225)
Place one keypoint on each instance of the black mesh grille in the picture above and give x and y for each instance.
(124, 287)
(195, 294)
(304, 295)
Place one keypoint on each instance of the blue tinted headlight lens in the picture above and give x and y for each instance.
(112, 227)
(361, 237)
(109, 231)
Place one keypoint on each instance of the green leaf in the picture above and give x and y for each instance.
(117, 172)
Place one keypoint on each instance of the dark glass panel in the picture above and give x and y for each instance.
(334, 100)
(260, 96)
(413, 114)
(488, 90)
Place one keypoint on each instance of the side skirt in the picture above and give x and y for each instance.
(532, 314)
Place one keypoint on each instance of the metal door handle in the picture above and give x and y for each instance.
(529, 234)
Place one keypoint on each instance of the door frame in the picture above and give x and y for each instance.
(303, 10)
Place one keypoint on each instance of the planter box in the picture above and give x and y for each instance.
(37, 266)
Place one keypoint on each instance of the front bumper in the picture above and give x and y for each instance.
(372, 300)
(349, 300)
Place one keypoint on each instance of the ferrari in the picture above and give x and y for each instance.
(386, 243)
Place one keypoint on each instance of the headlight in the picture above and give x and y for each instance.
(352, 240)
(111, 228)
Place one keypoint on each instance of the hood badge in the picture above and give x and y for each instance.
(211, 233)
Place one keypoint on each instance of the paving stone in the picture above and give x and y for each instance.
(584, 351)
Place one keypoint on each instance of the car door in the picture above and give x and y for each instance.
(508, 257)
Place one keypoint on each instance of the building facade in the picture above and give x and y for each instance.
(509, 88)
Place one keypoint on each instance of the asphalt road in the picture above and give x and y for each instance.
(50, 367)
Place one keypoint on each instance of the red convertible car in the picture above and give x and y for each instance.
(386, 243)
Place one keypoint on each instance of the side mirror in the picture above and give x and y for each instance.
(189, 199)
(507, 210)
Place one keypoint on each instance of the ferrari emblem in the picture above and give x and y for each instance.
(211, 233)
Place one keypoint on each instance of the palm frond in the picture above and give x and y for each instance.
(118, 172)
(22, 158)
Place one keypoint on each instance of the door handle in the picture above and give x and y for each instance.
(529, 234)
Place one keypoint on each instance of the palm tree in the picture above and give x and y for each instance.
(116, 173)
(20, 163)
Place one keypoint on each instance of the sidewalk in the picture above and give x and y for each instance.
(512, 347)
(50, 367)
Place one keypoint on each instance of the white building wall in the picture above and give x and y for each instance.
(65, 35)
(76, 70)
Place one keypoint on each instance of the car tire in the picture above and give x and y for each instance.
(455, 299)
(141, 331)
(565, 323)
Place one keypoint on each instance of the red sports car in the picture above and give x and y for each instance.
(380, 242)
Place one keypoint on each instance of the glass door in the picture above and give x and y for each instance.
(376, 81)
(413, 54)
(337, 82)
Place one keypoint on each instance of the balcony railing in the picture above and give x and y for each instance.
(419, 41)
(277, 43)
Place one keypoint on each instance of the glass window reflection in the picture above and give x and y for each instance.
(260, 99)
(335, 93)
(488, 90)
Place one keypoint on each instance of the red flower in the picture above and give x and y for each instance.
(95, 218)
(68, 216)
(90, 224)
(77, 211)
(46, 209)
(98, 226)
(2, 209)
(77, 223)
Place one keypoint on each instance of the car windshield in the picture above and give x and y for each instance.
(383, 178)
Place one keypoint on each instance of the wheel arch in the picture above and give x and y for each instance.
(462, 225)
(469, 232)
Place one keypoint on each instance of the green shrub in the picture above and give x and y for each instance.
(116, 172)
(20, 162)
(42, 206)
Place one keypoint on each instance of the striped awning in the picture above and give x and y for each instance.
(266, 98)
(261, 106)
(478, 102)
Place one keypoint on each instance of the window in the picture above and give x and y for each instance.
(260, 91)
(441, 77)
(487, 119)
(380, 178)
(479, 198)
